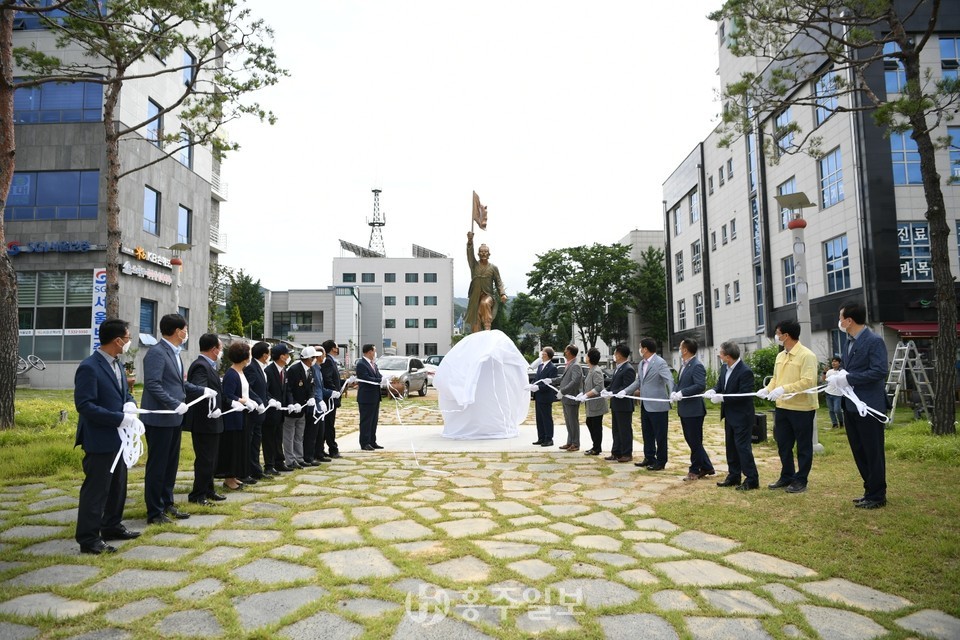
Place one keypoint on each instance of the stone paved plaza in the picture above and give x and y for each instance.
(454, 545)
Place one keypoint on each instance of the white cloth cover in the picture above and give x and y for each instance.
(482, 384)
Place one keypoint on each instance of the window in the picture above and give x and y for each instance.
(429, 277)
(783, 132)
(694, 202)
(726, 294)
(736, 291)
(710, 184)
(681, 315)
(913, 239)
(430, 349)
(368, 277)
(696, 257)
(53, 195)
(411, 301)
(679, 266)
(723, 234)
(838, 340)
(733, 229)
(58, 102)
(831, 179)
(189, 64)
(286, 323)
(389, 277)
(698, 309)
(677, 222)
(789, 281)
(720, 175)
(755, 226)
(30, 21)
(785, 188)
(184, 224)
(411, 277)
(413, 349)
(716, 298)
(151, 211)
(713, 241)
(429, 301)
(837, 264)
(389, 323)
(954, 133)
(949, 57)
(429, 323)
(906, 159)
(411, 323)
(148, 316)
(389, 301)
(55, 310)
(155, 125)
(185, 313)
(758, 299)
(186, 149)
(894, 75)
(826, 90)
(730, 169)
(349, 277)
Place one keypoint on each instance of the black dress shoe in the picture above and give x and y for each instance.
(537, 443)
(119, 533)
(859, 500)
(216, 496)
(248, 480)
(656, 466)
(173, 512)
(591, 452)
(748, 485)
(376, 446)
(797, 487)
(646, 462)
(611, 458)
(97, 548)
(779, 484)
(368, 447)
(282, 468)
(311, 463)
(871, 504)
(335, 455)
(160, 519)
(705, 473)
(324, 459)
(547, 443)
(270, 471)
(203, 502)
(729, 481)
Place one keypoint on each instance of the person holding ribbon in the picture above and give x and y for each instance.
(205, 425)
(234, 459)
(368, 397)
(736, 381)
(106, 408)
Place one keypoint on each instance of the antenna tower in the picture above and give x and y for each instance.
(378, 221)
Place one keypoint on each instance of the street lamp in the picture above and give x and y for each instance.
(177, 263)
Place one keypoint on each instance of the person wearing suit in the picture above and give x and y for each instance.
(165, 388)
(205, 426)
(101, 396)
(653, 381)
(331, 381)
(300, 395)
(596, 406)
(865, 369)
(621, 407)
(257, 379)
(570, 384)
(234, 459)
(368, 397)
(692, 381)
(276, 373)
(313, 432)
(543, 397)
(738, 416)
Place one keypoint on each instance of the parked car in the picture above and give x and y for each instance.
(433, 360)
(431, 363)
(607, 373)
(558, 359)
(409, 371)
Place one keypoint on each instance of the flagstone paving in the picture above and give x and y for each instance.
(446, 546)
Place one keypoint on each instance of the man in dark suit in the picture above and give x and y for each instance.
(621, 407)
(692, 381)
(205, 426)
(368, 397)
(300, 396)
(165, 388)
(104, 403)
(544, 397)
(257, 379)
(865, 364)
(276, 373)
(331, 380)
(738, 415)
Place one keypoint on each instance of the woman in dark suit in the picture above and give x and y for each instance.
(234, 457)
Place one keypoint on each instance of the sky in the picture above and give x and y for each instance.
(565, 117)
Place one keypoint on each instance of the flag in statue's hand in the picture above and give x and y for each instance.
(479, 212)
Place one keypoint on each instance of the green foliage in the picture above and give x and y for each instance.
(651, 294)
(762, 361)
(913, 442)
(247, 296)
(234, 322)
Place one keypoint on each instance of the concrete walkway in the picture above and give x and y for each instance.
(505, 543)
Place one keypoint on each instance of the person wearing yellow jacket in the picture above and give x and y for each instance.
(795, 370)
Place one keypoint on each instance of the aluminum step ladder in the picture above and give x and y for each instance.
(906, 357)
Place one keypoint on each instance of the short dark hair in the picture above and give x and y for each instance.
(238, 352)
(731, 349)
(649, 344)
(549, 351)
(172, 322)
(837, 359)
(789, 327)
(623, 350)
(328, 345)
(258, 350)
(112, 329)
(593, 356)
(208, 341)
(572, 348)
(278, 350)
(690, 345)
(855, 311)
(367, 348)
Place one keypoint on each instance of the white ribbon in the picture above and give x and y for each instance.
(131, 446)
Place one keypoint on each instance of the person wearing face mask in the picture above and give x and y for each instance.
(165, 388)
(257, 378)
(795, 370)
(276, 373)
(834, 396)
(737, 414)
(865, 359)
(104, 404)
(205, 426)
(300, 398)
(233, 461)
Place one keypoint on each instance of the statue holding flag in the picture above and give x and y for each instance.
(486, 288)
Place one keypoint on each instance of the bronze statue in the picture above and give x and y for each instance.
(486, 288)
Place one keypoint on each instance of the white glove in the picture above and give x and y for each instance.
(216, 413)
(294, 408)
(606, 394)
(716, 399)
(764, 394)
(128, 420)
(559, 396)
(236, 404)
(261, 408)
(251, 406)
(840, 380)
(273, 403)
(181, 409)
(776, 393)
(322, 407)
(334, 395)
(676, 396)
(209, 393)
(621, 394)
(130, 407)
(312, 402)
(581, 397)
(351, 379)
(533, 387)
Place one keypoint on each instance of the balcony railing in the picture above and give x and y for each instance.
(218, 187)
(218, 241)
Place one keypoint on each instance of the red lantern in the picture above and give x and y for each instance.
(797, 223)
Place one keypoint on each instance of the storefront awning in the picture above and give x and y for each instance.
(917, 329)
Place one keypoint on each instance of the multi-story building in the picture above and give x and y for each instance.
(55, 215)
(732, 258)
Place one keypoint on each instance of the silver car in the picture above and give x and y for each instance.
(408, 370)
